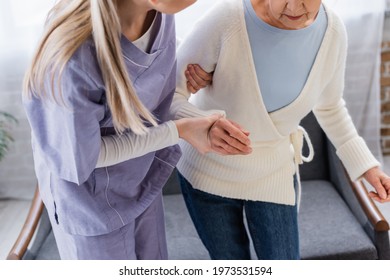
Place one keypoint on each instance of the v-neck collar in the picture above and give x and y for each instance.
(139, 57)
(317, 62)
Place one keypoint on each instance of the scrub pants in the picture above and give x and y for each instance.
(219, 222)
(142, 239)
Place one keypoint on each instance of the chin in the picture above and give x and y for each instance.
(294, 25)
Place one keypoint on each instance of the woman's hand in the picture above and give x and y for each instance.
(197, 78)
(381, 182)
(229, 138)
(214, 134)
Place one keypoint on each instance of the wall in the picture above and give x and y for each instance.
(21, 24)
(16, 169)
(385, 86)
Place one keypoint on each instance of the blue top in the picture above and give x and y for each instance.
(282, 58)
(82, 199)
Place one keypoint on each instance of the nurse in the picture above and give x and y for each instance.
(97, 96)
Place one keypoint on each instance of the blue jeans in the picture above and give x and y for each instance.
(220, 225)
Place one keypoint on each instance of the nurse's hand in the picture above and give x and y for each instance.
(381, 182)
(204, 135)
(196, 131)
(229, 138)
(197, 78)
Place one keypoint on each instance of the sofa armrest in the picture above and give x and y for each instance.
(355, 194)
(20, 246)
(377, 220)
(362, 206)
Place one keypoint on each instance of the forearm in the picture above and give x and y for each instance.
(334, 118)
(115, 149)
(350, 147)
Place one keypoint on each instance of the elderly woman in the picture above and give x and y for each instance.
(273, 61)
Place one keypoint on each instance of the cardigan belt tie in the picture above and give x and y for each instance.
(296, 139)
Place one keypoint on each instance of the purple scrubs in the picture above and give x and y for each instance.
(83, 200)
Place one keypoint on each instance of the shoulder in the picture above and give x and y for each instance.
(81, 78)
(84, 62)
(166, 25)
(222, 18)
(336, 26)
(217, 31)
(225, 10)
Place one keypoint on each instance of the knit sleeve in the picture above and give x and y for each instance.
(201, 46)
(334, 118)
(115, 149)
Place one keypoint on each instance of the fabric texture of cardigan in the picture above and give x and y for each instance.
(219, 43)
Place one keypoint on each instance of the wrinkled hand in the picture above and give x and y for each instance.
(381, 182)
(197, 78)
(229, 138)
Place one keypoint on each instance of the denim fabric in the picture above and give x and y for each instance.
(219, 222)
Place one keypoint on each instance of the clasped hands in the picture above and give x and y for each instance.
(218, 134)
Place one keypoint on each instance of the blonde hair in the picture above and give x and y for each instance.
(69, 24)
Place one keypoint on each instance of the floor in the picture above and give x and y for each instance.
(13, 213)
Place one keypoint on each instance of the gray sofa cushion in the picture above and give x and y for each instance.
(328, 229)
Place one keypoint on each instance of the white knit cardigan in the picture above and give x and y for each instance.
(219, 42)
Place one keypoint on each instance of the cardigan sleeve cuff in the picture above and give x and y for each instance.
(356, 157)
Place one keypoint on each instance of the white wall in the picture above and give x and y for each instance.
(21, 23)
(386, 30)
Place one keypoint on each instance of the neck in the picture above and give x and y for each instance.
(135, 18)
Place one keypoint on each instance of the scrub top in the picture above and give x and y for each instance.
(80, 198)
